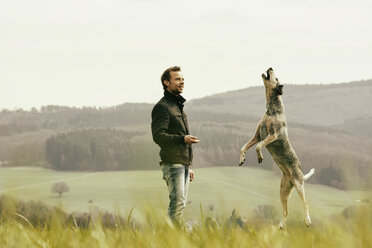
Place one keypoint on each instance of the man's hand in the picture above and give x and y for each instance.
(192, 175)
(189, 139)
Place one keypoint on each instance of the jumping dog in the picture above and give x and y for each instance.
(272, 132)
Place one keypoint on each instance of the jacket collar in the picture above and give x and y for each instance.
(178, 99)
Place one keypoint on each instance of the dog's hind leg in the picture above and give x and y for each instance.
(254, 140)
(286, 188)
(299, 185)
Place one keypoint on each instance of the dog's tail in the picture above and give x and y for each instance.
(311, 172)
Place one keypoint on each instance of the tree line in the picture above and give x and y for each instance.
(55, 117)
(99, 150)
(102, 149)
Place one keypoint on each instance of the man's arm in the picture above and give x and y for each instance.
(159, 127)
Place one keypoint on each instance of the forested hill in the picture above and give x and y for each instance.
(318, 105)
(329, 127)
(322, 105)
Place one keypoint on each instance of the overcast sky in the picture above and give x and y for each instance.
(104, 53)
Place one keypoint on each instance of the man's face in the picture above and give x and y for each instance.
(176, 83)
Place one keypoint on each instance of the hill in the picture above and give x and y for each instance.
(320, 105)
(329, 128)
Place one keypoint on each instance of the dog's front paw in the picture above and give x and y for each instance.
(260, 159)
(259, 155)
(241, 162)
(242, 158)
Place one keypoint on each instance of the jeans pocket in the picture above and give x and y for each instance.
(165, 170)
(171, 170)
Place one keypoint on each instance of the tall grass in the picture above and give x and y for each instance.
(351, 228)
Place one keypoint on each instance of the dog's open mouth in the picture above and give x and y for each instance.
(267, 75)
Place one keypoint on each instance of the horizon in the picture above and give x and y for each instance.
(188, 100)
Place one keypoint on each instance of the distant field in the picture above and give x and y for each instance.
(221, 189)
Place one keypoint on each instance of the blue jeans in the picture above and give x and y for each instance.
(177, 178)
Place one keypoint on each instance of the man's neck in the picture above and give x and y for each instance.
(177, 95)
(177, 98)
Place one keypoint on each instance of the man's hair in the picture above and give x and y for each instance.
(166, 74)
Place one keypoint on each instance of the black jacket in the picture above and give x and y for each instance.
(169, 127)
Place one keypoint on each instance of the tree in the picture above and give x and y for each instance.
(332, 176)
(60, 188)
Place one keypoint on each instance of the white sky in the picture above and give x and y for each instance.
(104, 53)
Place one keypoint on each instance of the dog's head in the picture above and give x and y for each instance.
(271, 82)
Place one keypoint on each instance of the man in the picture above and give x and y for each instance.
(170, 131)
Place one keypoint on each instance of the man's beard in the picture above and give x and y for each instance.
(175, 92)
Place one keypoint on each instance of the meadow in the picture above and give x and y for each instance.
(220, 188)
(214, 195)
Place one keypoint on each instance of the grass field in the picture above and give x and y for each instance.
(157, 232)
(221, 189)
(217, 190)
